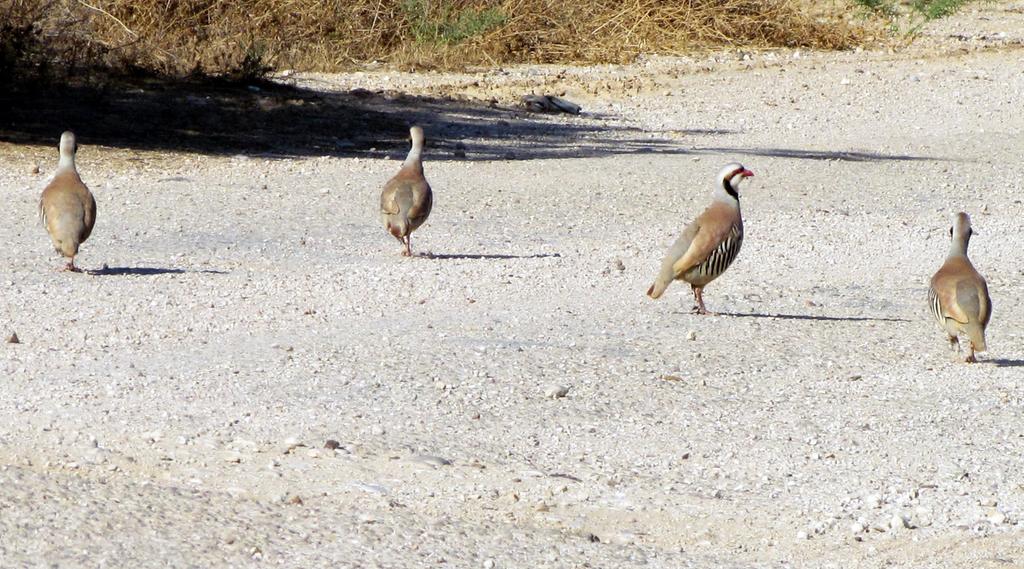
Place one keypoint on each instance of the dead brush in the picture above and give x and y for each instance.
(245, 39)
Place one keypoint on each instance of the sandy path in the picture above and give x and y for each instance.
(173, 411)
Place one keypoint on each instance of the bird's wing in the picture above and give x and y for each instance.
(945, 285)
(389, 203)
(422, 199)
(711, 228)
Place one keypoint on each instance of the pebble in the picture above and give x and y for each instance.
(691, 335)
(332, 444)
(430, 460)
(801, 535)
(34, 169)
(857, 527)
(556, 392)
(997, 518)
(619, 265)
(290, 444)
(873, 501)
(13, 338)
(898, 521)
(370, 487)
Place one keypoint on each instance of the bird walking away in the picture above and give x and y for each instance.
(710, 243)
(406, 200)
(958, 295)
(67, 208)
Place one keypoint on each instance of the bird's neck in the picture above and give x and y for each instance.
(66, 162)
(723, 196)
(414, 160)
(957, 248)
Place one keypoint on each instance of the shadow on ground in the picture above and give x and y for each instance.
(148, 271)
(486, 256)
(1007, 363)
(274, 120)
(814, 317)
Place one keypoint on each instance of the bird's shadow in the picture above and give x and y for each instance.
(148, 271)
(484, 256)
(1007, 363)
(813, 317)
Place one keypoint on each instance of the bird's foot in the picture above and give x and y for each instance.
(971, 359)
(71, 268)
(702, 311)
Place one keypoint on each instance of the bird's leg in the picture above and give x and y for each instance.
(408, 247)
(954, 344)
(696, 300)
(70, 267)
(698, 294)
(971, 359)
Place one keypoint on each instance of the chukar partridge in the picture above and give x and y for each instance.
(710, 243)
(958, 295)
(67, 208)
(406, 200)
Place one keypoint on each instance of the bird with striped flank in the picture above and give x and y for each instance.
(710, 243)
(67, 208)
(406, 200)
(958, 295)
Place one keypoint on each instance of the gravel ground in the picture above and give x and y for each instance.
(511, 398)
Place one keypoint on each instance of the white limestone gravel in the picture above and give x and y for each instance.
(173, 410)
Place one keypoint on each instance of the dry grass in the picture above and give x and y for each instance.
(247, 37)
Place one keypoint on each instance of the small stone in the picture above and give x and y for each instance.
(619, 265)
(857, 527)
(332, 444)
(290, 444)
(873, 501)
(556, 392)
(997, 518)
(898, 521)
(541, 507)
(431, 460)
(801, 535)
(34, 169)
(691, 335)
(370, 487)
(295, 500)
(13, 338)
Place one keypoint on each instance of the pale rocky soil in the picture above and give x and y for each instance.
(173, 410)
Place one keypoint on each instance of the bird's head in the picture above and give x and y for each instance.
(730, 177)
(961, 229)
(416, 135)
(68, 146)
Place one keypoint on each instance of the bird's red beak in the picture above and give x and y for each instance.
(747, 173)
